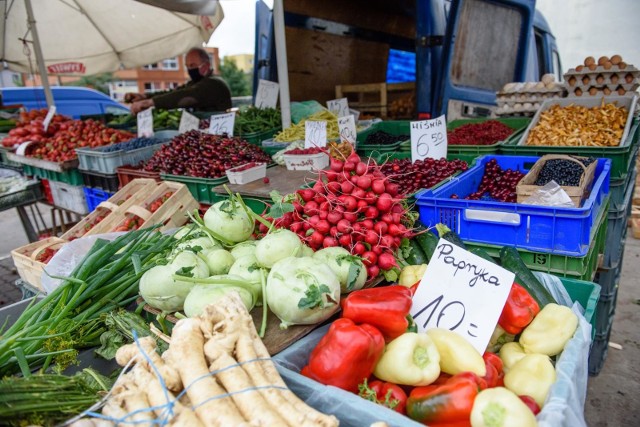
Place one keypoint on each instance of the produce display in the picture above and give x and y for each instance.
(411, 177)
(485, 133)
(30, 127)
(575, 125)
(381, 137)
(45, 255)
(132, 144)
(304, 151)
(340, 150)
(203, 155)
(253, 119)
(296, 132)
(496, 184)
(162, 119)
(607, 76)
(563, 172)
(134, 222)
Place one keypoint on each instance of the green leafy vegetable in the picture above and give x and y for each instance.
(313, 297)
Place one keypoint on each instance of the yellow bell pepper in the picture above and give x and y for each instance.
(456, 354)
(411, 274)
(550, 330)
(411, 359)
(532, 376)
(500, 407)
(511, 353)
(499, 338)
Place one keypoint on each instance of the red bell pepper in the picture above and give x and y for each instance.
(495, 370)
(531, 404)
(449, 403)
(386, 308)
(518, 311)
(346, 355)
(384, 393)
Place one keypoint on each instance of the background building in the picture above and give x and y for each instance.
(243, 61)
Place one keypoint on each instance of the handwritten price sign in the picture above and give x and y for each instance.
(347, 129)
(145, 123)
(188, 122)
(339, 107)
(267, 94)
(463, 293)
(429, 139)
(221, 124)
(315, 134)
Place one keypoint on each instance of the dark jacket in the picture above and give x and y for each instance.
(210, 93)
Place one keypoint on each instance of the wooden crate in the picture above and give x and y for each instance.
(24, 258)
(526, 188)
(172, 213)
(132, 193)
(368, 98)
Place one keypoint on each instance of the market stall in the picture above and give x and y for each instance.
(314, 275)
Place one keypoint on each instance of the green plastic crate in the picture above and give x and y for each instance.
(200, 188)
(71, 176)
(256, 138)
(393, 127)
(582, 268)
(4, 160)
(586, 293)
(622, 158)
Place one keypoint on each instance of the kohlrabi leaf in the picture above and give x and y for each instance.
(313, 297)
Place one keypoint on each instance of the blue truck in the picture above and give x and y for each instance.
(464, 50)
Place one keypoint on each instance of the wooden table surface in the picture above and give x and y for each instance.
(281, 179)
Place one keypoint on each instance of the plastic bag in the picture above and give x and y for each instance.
(300, 110)
(551, 194)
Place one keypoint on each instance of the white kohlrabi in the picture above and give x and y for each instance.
(244, 248)
(247, 267)
(277, 245)
(197, 244)
(160, 290)
(302, 291)
(350, 270)
(305, 251)
(204, 294)
(218, 260)
(229, 221)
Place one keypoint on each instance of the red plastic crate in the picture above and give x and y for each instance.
(126, 174)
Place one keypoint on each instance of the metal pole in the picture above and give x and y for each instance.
(39, 58)
(281, 60)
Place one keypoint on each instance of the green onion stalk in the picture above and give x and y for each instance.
(54, 328)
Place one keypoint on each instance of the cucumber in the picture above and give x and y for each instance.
(446, 233)
(428, 242)
(483, 254)
(417, 255)
(511, 260)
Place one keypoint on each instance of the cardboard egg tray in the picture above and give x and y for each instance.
(611, 89)
(614, 78)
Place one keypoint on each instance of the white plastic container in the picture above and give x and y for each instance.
(247, 175)
(302, 162)
(69, 197)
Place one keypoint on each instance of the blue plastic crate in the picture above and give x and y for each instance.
(95, 196)
(565, 231)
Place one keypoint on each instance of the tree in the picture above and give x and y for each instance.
(238, 81)
(98, 82)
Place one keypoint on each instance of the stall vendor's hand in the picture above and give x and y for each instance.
(131, 97)
(138, 106)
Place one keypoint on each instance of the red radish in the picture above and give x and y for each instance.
(361, 168)
(354, 179)
(391, 188)
(396, 218)
(346, 187)
(370, 197)
(350, 216)
(319, 198)
(386, 242)
(316, 238)
(385, 202)
(318, 187)
(333, 217)
(334, 187)
(349, 166)
(296, 227)
(297, 206)
(313, 220)
(373, 271)
(344, 226)
(345, 240)
(306, 226)
(311, 208)
(364, 182)
(397, 209)
(323, 214)
(371, 212)
(359, 248)
(367, 224)
(323, 226)
(377, 250)
(394, 229)
(329, 242)
(397, 241)
(339, 209)
(324, 206)
(307, 194)
(358, 193)
(378, 186)
(369, 258)
(380, 227)
(334, 231)
(357, 228)
(349, 202)
(362, 205)
(388, 218)
(386, 261)
(371, 237)
(337, 165)
(263, 228)
(402, 229)
(353, 157)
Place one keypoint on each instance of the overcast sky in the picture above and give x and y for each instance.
(581, 27)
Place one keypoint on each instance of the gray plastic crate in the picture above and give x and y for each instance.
(95, 160)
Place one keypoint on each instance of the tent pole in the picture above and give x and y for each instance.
(39, 58)
(281, 60)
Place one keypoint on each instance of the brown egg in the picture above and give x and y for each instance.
(600, 79)
(586, 80)
(621, 90)
(616, 59)
(592, 67)
(606, 91)
(628, 78)
(572, 81)
(578, 92)
(614, 78)
(607, 65)
(622, 65)
(589, 60)
(593, 90)
(580, 68)
(602, 60)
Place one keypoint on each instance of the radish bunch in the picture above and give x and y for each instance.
(352, 205)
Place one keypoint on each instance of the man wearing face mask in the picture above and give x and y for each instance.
(203, 92)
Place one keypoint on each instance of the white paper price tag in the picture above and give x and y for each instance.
(145, 123)
(355, 113)
(188, 122)
(429, 139)
(315, 134)
(49, 117)
(267, 94)
(22, 148)
(339, 107)
(347, 129)
(222, 123)
(461, 292)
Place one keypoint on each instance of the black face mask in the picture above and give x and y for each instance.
(194, 74)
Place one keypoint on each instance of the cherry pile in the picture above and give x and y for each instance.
(485, 133)
(303, 151)
(497, 184)
(411, 177)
